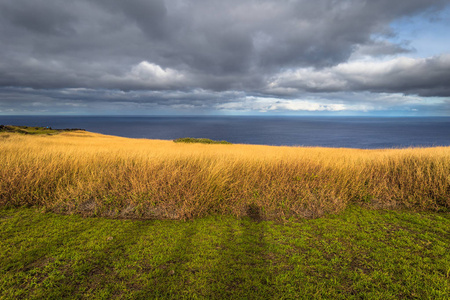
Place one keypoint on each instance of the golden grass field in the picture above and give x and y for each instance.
(94, 174)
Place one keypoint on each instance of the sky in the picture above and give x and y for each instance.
(234, 57)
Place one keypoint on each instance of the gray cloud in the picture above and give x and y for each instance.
(16, 100)
(39, 17)
(247, 47)
(99, 101)
(424, 77)
(380, 48)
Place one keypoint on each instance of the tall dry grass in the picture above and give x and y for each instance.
(94, 174)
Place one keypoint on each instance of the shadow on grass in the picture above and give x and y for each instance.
(162, 259)
(242, 269)
(215, 262)
(84, 259)
(217, 257)
(103, 263)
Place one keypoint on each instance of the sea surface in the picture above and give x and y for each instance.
(348, 132)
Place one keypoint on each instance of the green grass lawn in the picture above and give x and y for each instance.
(360, 254)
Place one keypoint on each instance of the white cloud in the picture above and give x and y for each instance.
(401, 74)
(306, 106)
(149, 71)
(261, 104)
(147, 75)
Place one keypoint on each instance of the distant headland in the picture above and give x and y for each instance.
(35, 129)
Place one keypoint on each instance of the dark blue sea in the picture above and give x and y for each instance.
(348, 132)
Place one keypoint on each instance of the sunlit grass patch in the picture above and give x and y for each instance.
(99, 175)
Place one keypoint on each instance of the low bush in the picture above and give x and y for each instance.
(199, 140)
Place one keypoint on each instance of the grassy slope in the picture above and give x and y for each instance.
(357, 254)
(99, 175)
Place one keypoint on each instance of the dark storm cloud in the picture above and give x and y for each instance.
(41, 17)
(149, 16)
(56, 100)
(182, 45)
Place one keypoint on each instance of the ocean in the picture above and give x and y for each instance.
(347, 132)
